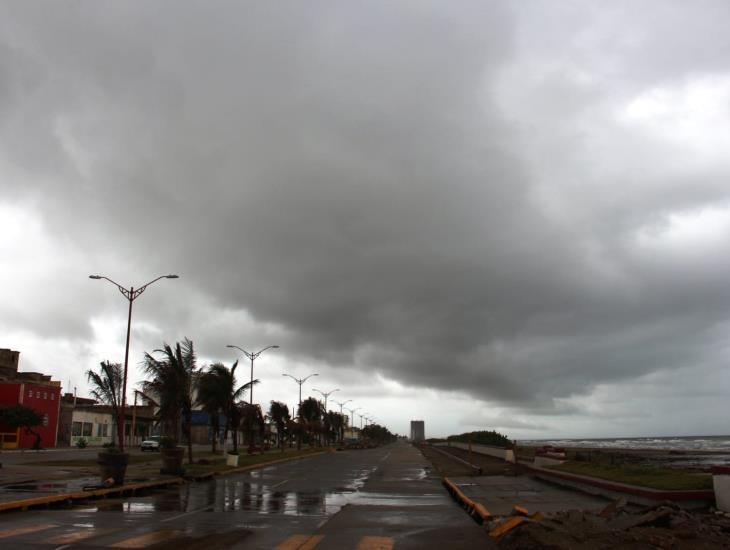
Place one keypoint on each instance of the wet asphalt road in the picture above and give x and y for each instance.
(369, 499)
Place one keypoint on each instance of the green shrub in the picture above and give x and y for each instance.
(81, 443)
(483, 437)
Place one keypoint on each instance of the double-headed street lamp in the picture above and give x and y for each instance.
(352, 413)
(325, 394)
(300, 381)
(252, 357)
(131, 294)
(342, 404)
(342, 429)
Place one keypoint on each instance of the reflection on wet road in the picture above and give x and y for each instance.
(258, 509)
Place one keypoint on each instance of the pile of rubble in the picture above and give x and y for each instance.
(662, 526)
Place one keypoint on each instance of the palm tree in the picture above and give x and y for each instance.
(212, 396)
(172, 380)
(106, 387)
(279, 413)
(218, 384)
(310, 413)
(253, 420)
(334, 422)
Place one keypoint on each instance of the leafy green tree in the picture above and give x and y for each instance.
(172, 379)
(106, 387)
(377, 434)
(279, 414)
(20, 416)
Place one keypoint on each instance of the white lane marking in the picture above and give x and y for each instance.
(278, 484)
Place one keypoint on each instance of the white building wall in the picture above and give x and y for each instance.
(98, 421)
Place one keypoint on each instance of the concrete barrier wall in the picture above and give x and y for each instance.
(721, 485)
(504, 454)
(542, 461)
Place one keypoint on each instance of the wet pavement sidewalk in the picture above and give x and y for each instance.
(19, 482)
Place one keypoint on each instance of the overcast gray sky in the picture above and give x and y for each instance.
(486, 215)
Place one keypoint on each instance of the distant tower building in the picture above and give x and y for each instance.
(417, 431)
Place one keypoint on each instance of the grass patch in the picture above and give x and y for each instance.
(643, 476)
(218, 463)
(91, 462)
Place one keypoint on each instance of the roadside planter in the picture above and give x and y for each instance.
(113, 465)
(721, 485)
(172, 458)
(232, 459)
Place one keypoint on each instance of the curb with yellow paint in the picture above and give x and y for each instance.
(24, 504)
(79, 495)
(475, 509)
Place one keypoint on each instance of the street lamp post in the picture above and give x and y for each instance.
(352, 413)
(252, 357)
(300, 381)
(131, 294)
(326, 395)
(342, 431)
(342, 404)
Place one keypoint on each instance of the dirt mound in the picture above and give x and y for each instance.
(664, 526)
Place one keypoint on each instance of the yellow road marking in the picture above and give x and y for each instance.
(146, 539)
(375, 543)
(23, 530)
(76, 536)
(300, 542)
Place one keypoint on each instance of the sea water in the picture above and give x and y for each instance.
(676, 443)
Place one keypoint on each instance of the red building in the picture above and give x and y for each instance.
(33, 390)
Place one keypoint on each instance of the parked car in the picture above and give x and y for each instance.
(151, 443)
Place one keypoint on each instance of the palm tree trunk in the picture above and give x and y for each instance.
(187, 428)
(216, 428)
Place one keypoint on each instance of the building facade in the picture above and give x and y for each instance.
(418, 431)
(31, 389)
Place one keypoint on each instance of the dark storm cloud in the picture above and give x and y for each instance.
(349, 173)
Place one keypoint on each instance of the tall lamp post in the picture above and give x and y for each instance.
(342, 431)
(325, 395)
(342, 404)
(300, 381)
(131, 294)
(352, 413)
(252, 357)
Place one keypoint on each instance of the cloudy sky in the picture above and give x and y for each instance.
(486, 215)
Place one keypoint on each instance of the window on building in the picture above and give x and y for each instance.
(76, 429)
(53, 397)
(98, 430)
(105, 431)
(88, 429)
(38, 394)
(30, 393)
(45, 395)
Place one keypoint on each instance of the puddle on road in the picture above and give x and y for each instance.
(258, 494)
